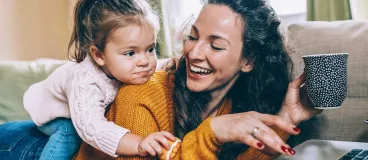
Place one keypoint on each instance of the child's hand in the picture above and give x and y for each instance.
(171, 63)
(152, 144)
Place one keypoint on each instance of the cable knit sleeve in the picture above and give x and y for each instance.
(88, 96)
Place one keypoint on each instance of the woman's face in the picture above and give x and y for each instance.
(213, 50)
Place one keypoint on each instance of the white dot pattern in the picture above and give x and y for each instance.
(326, 79)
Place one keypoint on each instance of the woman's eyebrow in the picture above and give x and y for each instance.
(214, 37)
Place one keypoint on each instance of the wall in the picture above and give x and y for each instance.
(359, 9)
(31, 29)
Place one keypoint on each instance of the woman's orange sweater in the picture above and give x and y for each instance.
(147, 108)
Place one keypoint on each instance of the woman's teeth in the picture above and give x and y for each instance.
(198, 70)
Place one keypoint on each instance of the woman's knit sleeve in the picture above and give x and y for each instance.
(130, 111)
(200, 143)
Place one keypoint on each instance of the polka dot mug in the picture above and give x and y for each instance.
(326, 79)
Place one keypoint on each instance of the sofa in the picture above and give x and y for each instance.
(345, 123)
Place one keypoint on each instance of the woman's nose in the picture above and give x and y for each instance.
(198, 52)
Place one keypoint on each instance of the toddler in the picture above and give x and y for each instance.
(113, 42)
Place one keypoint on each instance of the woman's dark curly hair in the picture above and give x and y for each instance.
(262, 90)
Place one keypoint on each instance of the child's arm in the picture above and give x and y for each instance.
(155, 143)
(88, 97)
(128, 145)
(131, 144)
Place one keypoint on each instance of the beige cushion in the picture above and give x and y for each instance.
(15, 78)
(333, 37)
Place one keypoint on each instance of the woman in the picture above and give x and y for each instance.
(232, 79)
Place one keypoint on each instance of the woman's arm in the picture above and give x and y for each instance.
(295, 109)
(205, 140)
(168, 63)
(200, 143)
(147, 108)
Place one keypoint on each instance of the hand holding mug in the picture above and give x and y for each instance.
(297, 107)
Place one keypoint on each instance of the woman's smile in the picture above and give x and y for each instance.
(199, 72)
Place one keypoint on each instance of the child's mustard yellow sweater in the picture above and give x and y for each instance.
(148, 108)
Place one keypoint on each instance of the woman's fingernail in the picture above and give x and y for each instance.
(296, 129)
(260, 145)
(284, 149)
(291, 151)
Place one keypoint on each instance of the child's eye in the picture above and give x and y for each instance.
(192, 38)
(151, 50)
(216, 48)
(129, 53)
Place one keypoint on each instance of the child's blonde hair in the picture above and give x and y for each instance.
(94, 20)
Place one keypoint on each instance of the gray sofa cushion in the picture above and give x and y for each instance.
(332, 37)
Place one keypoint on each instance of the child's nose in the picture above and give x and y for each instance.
(143, 60)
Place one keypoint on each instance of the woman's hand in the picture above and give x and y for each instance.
(252, 128)
(169, 63)
(296, 106)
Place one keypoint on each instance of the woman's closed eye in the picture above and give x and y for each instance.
(217, 48)
(192, 38)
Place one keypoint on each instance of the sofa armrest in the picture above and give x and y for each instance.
(15, 78)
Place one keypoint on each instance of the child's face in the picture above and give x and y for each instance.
(130, 54)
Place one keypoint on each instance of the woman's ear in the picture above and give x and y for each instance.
(97, 55)
(246, 66)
